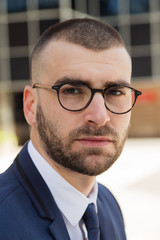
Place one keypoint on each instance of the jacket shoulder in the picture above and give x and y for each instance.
(8, 184)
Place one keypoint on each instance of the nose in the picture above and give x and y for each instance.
(96, 113)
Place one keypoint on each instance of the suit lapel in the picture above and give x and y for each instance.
(39, 193)
(110, 216)
(103, 224)
(105, 219)
(58, 228)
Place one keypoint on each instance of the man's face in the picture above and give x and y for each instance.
(88, 141)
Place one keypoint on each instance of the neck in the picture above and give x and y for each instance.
(81, 182)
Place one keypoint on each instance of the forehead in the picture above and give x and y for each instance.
(60, 59)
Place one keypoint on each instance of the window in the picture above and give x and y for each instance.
(140, 34)
(18, 35)
(44, 24)
(16, 5)
(108, 7)
(139, 6)
(19, 68)
(141, 66)
(43, 4)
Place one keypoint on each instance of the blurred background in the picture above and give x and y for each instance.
(135, 177)
(22, 22)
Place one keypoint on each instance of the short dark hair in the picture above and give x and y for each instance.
(89, 33)
(86, 32)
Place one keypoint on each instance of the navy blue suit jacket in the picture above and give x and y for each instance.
(28, 210)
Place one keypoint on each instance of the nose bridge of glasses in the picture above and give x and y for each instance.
(97, 90)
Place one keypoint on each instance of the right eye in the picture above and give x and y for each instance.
(71, 90)
(115, 92)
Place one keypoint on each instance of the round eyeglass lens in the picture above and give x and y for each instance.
(119, 99)
(74, 96)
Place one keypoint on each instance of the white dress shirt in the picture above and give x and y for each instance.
(70, 201)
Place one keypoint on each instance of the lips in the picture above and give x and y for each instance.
(94, 141)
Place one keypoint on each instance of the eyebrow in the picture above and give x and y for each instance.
(71, 79)
(118, 83)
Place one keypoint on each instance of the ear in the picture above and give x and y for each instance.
(29, 105)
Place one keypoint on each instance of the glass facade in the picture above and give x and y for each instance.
(141, 66)
(18, 34)
(140, 34)
(44, 24)
(139, 6)
(19, 68)
(48, 4)
(16, 6)
(109, 8)
(131, 18)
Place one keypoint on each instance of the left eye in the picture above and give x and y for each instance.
(71, 91)
(116, 92)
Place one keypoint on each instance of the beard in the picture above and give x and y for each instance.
(87, 161)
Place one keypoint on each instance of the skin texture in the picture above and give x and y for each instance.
(79, 145)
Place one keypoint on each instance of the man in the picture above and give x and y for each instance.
(78, 108)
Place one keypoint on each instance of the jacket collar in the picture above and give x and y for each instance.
(39, 193)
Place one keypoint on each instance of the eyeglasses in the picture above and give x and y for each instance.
(75, 96)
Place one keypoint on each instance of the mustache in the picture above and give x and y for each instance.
(93, 131)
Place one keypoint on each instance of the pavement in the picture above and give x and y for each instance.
(135, 182)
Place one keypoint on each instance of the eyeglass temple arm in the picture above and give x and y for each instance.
(38, 85)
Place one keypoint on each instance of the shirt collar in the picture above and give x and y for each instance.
(71, 202)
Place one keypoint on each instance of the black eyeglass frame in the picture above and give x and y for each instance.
(93, 91)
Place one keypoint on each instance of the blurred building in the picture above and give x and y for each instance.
(22, 22)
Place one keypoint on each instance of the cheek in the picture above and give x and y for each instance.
(67, 121)
(121, 122)
(62, 119)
